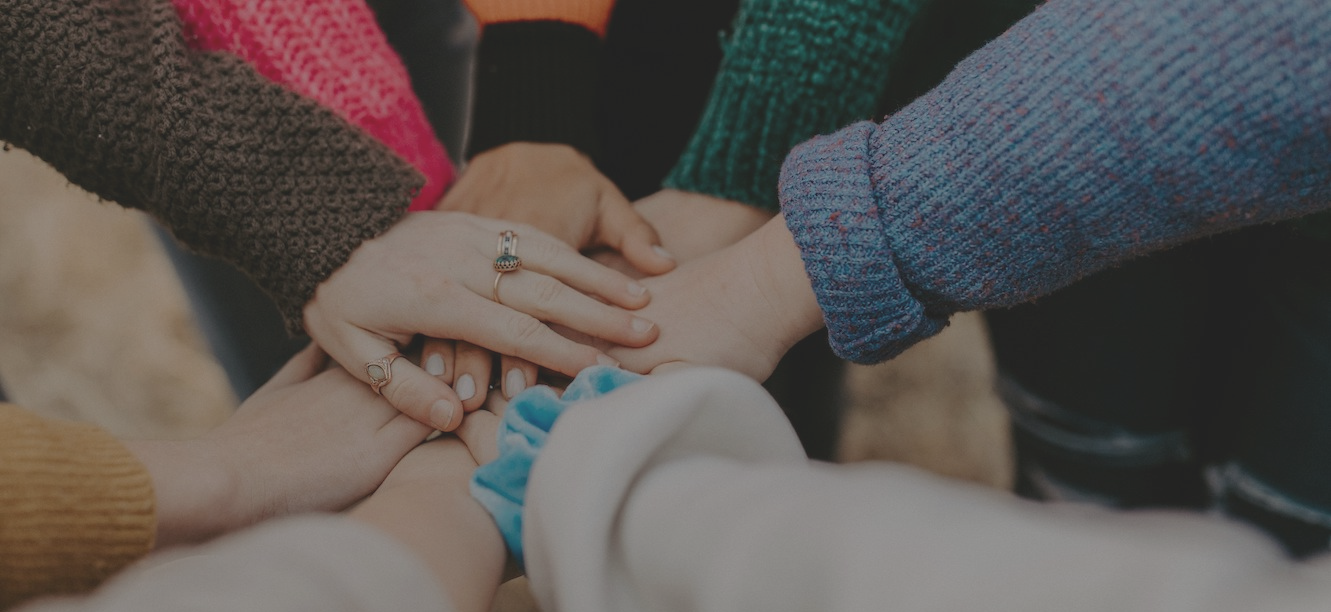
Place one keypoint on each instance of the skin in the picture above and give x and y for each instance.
(441, 288)
(687, 225)
(425, 503)
(333, 438)
(741, 307)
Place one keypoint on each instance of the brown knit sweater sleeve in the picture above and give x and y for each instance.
(236, 166)
(75, 506)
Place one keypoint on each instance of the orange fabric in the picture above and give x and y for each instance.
(591, 14)
(75, 506)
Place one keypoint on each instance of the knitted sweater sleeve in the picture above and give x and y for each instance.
(792, 69)
(75, 506)
(236, 166)
(537, 70)
(1091, 132)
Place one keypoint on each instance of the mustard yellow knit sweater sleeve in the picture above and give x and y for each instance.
(75, 506)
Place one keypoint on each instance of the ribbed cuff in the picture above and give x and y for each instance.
(827, 199)
(792, 70)
(76, 507)
(536, 81)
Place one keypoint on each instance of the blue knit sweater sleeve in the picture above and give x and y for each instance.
(1091, 132)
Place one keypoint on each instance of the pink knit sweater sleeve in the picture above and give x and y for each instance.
(333, 52)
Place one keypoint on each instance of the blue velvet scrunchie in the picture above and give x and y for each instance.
(501, 485)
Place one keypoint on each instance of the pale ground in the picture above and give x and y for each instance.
(94, 326)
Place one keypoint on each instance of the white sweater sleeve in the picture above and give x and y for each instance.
(690, 492)
(312, 563)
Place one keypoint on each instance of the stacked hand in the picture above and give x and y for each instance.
(310, 439)
(433, 274)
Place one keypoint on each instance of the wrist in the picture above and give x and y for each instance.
(194, 489)
(426, 505)
(788, 299)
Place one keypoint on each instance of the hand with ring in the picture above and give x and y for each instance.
(437, 274)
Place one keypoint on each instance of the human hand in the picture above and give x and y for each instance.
(694, 224)
(741, 307)
(307, 440)
(690, 225)
(432, 274)
(557, 190)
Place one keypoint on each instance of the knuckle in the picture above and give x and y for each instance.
(526, 331)
(547, 250)
(548, 291)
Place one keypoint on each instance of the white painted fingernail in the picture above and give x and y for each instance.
(641, 325)
(605, 360)
(660, 250)
(465, 387)
(636, 289)
(434, 364)
(514, 382)
(441, 414)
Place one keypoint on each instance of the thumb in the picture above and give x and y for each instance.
(623, 229)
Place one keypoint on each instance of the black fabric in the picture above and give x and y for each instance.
(436, 41)
(1226, 341)
(657, 70)
(944, 33)
(536, 81)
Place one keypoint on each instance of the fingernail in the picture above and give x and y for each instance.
(441, 414)
(465, 387)
(660, 250)
(434, 364)
(636, 289)
(605, 360)
(641, 325)
(514, 382)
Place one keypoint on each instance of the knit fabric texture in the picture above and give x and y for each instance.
(594, 15)
(333, 52)
(501, 485)
(107, 92)
(1091, 132)
(536, 81)
(792, 69)
(75, 506)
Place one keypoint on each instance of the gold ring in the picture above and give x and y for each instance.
(495, 293)
(381, 372)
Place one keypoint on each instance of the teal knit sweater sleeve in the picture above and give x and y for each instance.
(792, 69)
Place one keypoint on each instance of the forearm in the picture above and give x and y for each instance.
(792, 70)
(1091, 132)
(853, 537)
(765, 529)
(194, 494)
(443, 525)
(237, 167)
